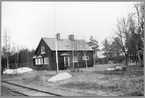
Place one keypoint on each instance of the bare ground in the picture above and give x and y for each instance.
(94, 81)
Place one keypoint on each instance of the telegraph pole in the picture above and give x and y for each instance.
(55, 39)
(56, 55)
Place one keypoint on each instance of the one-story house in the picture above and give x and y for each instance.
(71, 52)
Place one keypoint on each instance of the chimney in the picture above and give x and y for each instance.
(71, 37)
(58, 36)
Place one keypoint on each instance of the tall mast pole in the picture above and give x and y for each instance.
(55, 38)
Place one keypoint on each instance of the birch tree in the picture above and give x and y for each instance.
(106, 48)
(94, 45)
(7, 47)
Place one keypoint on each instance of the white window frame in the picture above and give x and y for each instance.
(75, 58)
(46, 60)
(42, 49)
(38, 61)
(85, 57)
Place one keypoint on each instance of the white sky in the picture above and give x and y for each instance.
(27, 22)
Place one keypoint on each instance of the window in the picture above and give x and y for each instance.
(46, 60)
(42, 50)
(41, 61)
(75, 59)
(85, 57)
(38, 61)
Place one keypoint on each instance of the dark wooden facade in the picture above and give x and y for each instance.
(64, 62)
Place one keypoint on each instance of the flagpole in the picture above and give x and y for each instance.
(55, 39)
(56, 54)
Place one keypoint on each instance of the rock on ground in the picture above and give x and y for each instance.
(60, 76)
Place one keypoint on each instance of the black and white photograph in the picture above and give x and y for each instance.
(72, 48)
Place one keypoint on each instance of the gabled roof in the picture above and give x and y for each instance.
(67, 44)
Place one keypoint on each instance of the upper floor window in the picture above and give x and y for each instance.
(42, 50)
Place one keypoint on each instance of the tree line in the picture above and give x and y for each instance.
(129, 39)
(20, 58)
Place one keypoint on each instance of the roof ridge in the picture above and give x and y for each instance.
(61, 38)
(62, 45)
(46, 37)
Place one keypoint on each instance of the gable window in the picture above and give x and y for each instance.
(42, 50)
(46, 60)
(75, 59)
(85, 57)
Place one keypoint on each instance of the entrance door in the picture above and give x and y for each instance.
(66, 62)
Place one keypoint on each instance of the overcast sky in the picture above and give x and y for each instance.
(27, 22)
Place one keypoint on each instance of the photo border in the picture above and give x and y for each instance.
(65, 1)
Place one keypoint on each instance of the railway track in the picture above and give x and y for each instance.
(26, 91)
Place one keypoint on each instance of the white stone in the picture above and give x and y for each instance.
(60, 76)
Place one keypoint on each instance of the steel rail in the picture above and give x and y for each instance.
(29, 88)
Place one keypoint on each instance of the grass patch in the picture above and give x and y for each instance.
(122, 88)
(90, 86)
(122, 83)
(131, 70)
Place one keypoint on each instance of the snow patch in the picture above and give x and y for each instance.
(60, 76)
(10, 71)
(18, 70)
(119, 68)
(110, 69)
(116, 68)
(24, 69)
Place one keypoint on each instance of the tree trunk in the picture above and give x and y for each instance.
(85, 59)
(126, 60)
(94, 57)
(107, 57)
(136, 59)
(7, 62)
(16, 60)
(86, 63)
(142, 60)
(138, 55)
(78, 64)
(139, 59)
(73, 59)
(78, 67)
